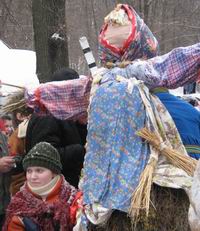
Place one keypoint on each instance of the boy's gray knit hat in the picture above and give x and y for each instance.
(44, 155)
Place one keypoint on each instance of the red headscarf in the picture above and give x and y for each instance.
(138, 42)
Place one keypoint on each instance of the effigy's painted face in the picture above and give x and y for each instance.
(39, 176)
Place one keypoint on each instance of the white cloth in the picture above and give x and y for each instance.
(22, 128)
(194, 196)
(95, 213)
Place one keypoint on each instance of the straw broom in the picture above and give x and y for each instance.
(141, 196)
(184, 162)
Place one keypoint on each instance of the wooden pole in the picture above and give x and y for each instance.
(11, 85)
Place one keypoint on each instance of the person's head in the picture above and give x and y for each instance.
(64, 74)
(125, 37)
(193, 102)
(21, 114)
(15, 105)
(42, 164)
(8, 124)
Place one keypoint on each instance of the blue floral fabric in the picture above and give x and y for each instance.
(115, 155)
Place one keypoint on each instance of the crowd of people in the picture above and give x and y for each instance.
(20, 133)
(42, 156)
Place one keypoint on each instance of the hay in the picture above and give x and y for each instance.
(171, 214)
(141, 196)
(15, 102)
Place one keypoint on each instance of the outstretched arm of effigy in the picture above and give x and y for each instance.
(64, 100)
(174, 69)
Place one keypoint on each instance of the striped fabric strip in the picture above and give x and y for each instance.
(159, 90)
(193, 149)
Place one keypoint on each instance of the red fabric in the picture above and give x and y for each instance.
(37, 99)
(140, 43)
(2, 125)
(131, 37)
(77, 203)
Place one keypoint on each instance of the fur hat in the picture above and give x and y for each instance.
(44, 155)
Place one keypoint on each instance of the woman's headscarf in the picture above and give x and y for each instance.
(125, 37)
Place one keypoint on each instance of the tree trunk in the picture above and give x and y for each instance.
(51, 45)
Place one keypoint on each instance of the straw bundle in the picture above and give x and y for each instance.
(122, 64)
(15, 102)
(184, 162)
(141, 196)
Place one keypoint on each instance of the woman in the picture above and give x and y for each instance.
(46, 201)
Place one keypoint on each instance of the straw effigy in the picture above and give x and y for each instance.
(169, 213)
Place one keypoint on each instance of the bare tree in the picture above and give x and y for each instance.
(16, 23)
(49, 36)
(4, 13)
(174, 23)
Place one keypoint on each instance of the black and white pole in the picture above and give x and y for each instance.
(88, 55)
